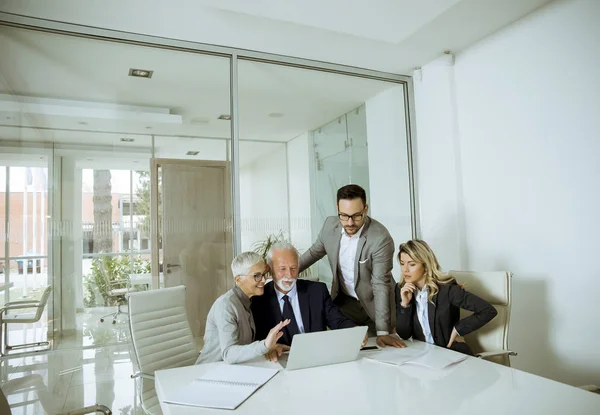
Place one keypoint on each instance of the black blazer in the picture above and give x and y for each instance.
(444, 314)
(317, 309)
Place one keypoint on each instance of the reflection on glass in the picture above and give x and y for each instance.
(116, 235)
(24, 266)
(304, 134)
(3, 236)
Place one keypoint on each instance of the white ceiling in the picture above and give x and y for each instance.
(389, 35)
(388, 21)
(195, 86)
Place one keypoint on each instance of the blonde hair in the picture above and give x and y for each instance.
(419, 251)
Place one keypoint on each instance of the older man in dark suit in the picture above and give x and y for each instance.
(307, 304)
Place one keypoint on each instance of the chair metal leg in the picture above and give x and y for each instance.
(7, 348)
(114, 315)
(2, 351)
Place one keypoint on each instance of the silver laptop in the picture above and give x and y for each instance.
(324, 348)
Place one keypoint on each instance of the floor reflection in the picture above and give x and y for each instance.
(63, 380)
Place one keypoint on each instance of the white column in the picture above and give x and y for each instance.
(34, 233)
(71, 278)
(389, 198)
(25, 240)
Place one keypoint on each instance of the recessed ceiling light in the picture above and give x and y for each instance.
(275, 115)
(192, 153)
(200, 120)
(9, 118)
(141, 73)
(90, 159)
(148, 127)
(225, 117)
(82, 123)
(127, 140)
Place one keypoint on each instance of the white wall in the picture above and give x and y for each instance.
(438, 170)
(263, 195)
(299, 189)
(512, 165)
(388, 165)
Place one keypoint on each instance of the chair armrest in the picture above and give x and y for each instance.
(142, 375)
(22, 302)
(18, 307)
(484, 355)
(112, 284)
(90, 410)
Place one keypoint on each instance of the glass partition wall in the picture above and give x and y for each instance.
(130, 166)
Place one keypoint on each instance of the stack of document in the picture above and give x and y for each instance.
(224, 387)
(434, 358)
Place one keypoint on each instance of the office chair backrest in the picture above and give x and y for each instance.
(160, 335)
(495, 288)
(42, 303)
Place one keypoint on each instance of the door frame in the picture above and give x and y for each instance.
(155, 164)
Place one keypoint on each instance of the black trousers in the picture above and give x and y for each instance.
(462, 348)
(351, 308)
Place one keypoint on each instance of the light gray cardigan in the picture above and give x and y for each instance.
(230, 331)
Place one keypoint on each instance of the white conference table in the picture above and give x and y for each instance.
(473, 386)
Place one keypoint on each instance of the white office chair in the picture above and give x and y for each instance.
(28, 317)
(491, 341)
(161, 337)
(117, 290)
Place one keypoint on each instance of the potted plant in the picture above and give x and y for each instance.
(262, 248)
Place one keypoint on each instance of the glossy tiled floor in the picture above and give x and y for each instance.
(90, 366)
(63, 380)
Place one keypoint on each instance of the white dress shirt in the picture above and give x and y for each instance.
(347, 258)
(423, 313)
(293, 296)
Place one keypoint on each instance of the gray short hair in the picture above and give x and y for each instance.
(281, 246)
(242, 263)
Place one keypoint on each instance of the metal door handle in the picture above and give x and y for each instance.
(173, 265)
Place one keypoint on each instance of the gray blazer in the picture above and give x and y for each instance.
(373, 279)
(230, 331)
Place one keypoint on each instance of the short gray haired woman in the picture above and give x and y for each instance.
(230, 330)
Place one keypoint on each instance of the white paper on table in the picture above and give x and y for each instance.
(438, 358)
(395, 356)
(224, 387)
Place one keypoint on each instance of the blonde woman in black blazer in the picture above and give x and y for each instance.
(428, 302)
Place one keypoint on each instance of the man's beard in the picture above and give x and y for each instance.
(284, 287)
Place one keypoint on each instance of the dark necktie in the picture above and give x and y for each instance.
(288, 313)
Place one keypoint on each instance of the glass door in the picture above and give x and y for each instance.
(340, 157)
(25, 262)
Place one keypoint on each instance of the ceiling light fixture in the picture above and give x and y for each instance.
(275, 115)
(87, 110)
(192, 153)
(225, 117)
(141, 73)
(127, 140)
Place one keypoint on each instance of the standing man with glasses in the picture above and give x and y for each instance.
(360, 252)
